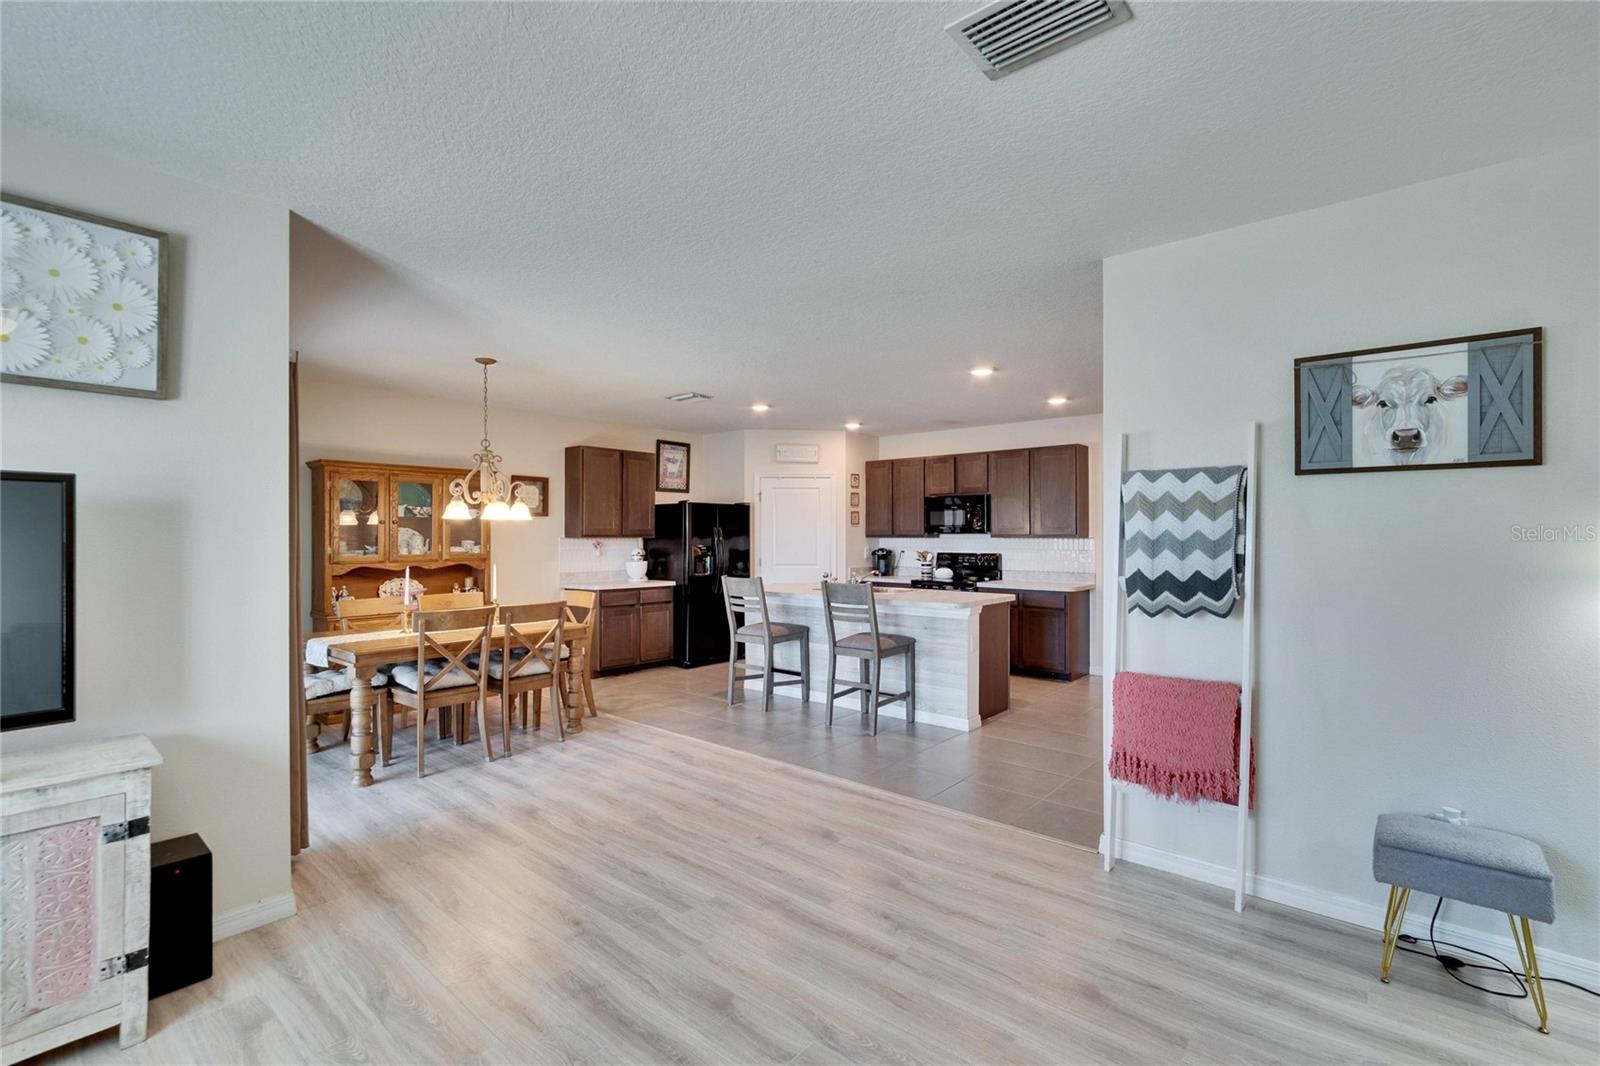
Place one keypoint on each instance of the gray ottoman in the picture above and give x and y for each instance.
(1478, 866)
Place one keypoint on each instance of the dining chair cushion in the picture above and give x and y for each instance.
(863, 642)
(518, 671)
(330, 682)
(779, 630)
(406, 677)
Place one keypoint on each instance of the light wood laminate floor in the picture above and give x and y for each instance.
(1036, 765)
(639, 896)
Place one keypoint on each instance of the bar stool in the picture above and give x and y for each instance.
(854, 604)
(745, 594)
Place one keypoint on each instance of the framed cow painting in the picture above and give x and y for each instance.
(1464, 401)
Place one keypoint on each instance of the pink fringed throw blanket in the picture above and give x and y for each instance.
(1178, 737)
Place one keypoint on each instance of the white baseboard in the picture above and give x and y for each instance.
(1354, 911)
(252, 916)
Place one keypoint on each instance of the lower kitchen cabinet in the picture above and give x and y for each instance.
(633, 628)
(1050, 634)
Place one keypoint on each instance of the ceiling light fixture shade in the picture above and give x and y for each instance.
(760, 408)
(852, 425)
(492, 491)
(1056, 401)
(982, 371)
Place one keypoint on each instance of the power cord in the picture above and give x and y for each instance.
(1453, 963)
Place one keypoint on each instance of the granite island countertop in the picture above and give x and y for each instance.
(606, 582)
(908, 600)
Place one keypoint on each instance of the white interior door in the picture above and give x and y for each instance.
(796, 517)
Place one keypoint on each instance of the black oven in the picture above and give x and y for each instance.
(956, 514)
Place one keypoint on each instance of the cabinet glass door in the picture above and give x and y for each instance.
(358, 517)
(464, 538)
(413, 501)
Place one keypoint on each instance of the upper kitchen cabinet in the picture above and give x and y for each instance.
(971, 474)
(1009, 511)
(879, 490)
(1058, 480)
(939, 475)
(638, 494)
(909, 494)
(609, 492)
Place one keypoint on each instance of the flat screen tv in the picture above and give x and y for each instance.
(35, 598)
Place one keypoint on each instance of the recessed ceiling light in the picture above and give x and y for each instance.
(760, 408)
(1056, 401)
(852, 425)
(982, 371)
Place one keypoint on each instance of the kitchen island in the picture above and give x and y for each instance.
(963, 651)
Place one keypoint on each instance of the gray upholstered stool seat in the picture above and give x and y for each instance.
(863, 642)
(778, 630)
(1483, 867)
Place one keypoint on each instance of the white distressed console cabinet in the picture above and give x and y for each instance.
(74, 893)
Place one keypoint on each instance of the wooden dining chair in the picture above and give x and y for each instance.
(528, 661)
(449, 601)
(443, 678)
(367, 615)
(582, 605)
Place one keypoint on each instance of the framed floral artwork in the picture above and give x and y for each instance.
(536, 493)
(84, 304)
(672, 466)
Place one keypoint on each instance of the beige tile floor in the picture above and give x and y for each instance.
(1036, 766)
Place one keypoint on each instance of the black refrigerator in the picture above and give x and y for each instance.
(695, 546)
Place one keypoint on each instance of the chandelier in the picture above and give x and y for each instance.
(497, 499)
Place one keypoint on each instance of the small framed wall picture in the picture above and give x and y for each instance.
(672, 466)
(855, 499)
(85, 302)
(855, 518)
(855, 481)
(535, 493)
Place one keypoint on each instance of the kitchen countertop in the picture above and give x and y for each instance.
(912, 600)
(603, 583)
(1021, 583)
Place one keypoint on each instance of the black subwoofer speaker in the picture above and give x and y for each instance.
(180, 913)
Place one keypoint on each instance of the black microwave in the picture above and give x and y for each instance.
(956, 514)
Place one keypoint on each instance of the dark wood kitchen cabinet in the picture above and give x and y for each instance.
(880, 498)
(609, 492)
(638, 494)
(1059, 491)
(939, 475)
(634, 628)
(1009, 512)
(1050, 634)
(972, 473)
(909, 493)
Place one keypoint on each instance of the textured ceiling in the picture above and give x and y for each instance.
(822, 206)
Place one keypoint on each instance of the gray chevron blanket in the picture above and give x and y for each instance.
(1183, 539)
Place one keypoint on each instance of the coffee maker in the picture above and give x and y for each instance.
(883, 560)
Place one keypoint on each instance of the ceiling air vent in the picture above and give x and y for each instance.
(1009, 34)
(688, 397)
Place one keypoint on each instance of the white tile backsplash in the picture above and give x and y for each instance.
(592, 556)
(1035, 555)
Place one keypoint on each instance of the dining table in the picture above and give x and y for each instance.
(363, 654)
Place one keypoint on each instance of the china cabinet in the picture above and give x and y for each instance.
(74, 893)
(369, 521)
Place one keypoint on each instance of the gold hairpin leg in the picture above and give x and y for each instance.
(1530, 969)
(1393, 920)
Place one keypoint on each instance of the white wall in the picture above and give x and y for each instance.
(1414, 652)
(182, 538)
(337, 422)
(1017, 554)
